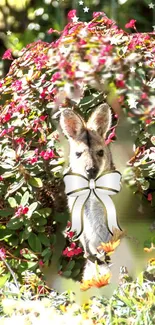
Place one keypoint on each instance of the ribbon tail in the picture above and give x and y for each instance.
(112, 222)
(77, 215)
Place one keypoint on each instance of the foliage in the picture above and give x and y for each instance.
(87, 60)
(133, 302)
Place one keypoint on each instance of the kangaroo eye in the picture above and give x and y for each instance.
(100, 153)
(78, 154)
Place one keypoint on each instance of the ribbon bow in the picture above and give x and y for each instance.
(79, 189)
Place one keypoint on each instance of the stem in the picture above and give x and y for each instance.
(12, 273)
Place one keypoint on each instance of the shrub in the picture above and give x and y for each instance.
(87, 61)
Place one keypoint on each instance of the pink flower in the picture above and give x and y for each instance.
(144, 96)
(7, 117)
(120, 83)
(10, 129)
(20, 140)
(71, 14)
(4, 132)
(72, 250)
(73, 245)
(56, 76)
(33, 160)
(41, 263)
(43, 94)
(23, 251)
(70, 234)
(51, 30)
(41, 290)
(2, 253)
(21, 210)
(148, 121)
(149, 197)
(1, 178)
(131, 24)
(78, 251)
(49, 154)
(68, 252)
(42, 117)
(17, 84)
(111, 136)
(102, 61)
(7, 55)
(98, 13)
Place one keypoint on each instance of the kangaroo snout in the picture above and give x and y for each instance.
(91, 172)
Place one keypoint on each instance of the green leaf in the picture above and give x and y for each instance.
(44, 239)
(53, 239)
(25, 198)
(147, 243)
(24, 235)
(15, 223)
(41, 222)
(12, 202)
(153, 199)
(14, 240)
(22, 267)
(66, 274)
(46, 251)
(75, 273)
(14, 187)
(8, 174)
(3, 280)
(45, 212)
(39, 229)
(5, 166)
(32, 265)
(35, 243)
(36, 182)
(151, 128)
(5, 233)
(32, 207)
(126, 301)
(140, 279)
(10, 153)
(6, 212)
(70, 265)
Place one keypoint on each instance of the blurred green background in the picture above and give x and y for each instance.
(25, 21)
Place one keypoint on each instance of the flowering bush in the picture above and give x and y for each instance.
(87, 61)
(132, 303)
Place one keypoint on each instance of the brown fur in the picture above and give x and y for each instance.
(87, 141)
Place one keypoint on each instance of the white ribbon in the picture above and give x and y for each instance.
(79, 189)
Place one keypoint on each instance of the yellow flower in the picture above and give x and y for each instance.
(149, 250)
(98, 281)
(151, 261)
(109, 247)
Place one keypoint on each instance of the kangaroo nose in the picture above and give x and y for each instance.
(91, 172)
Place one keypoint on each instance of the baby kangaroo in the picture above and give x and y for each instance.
(90, 156)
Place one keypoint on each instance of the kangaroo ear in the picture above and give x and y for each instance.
(72, 124)
(100, 120)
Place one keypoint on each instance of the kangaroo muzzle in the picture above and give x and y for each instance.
(91, 172)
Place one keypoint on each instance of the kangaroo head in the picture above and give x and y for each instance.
(88, 153)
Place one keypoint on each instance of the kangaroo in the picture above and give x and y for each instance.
(90, 156)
